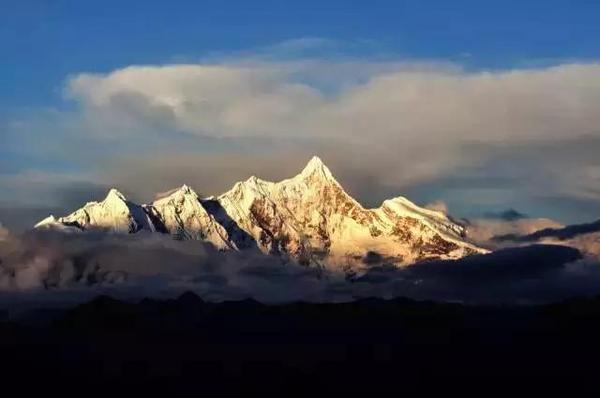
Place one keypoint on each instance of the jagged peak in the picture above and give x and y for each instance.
(315, 166)
(249, 188)
(253, 179)
(186, 190)
(114, 200)
(252, 184)
(115, 195)
(182, 191)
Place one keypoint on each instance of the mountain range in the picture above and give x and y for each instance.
(308, 218)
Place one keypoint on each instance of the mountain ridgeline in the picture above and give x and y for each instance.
(309, 219)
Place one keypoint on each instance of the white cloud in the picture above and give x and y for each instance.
(383, 125)
(409, 122)
(426, 103)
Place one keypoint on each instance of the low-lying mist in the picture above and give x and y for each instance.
(49, 268)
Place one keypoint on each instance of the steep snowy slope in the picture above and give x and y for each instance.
(313, 219)
(182, 214)
(114, 214)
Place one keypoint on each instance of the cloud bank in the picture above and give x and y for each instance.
(56, 269)
(410, 102)
(410, 121)
(523, 138)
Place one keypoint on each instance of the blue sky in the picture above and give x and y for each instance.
(44, 41)
(58, 130)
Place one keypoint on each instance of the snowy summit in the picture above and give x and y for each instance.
(308, 218)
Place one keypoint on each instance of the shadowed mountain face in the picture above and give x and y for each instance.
(308, 218)
(111, 347)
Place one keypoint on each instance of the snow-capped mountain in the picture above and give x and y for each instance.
(308, 218)
(183, 215)
(114, 214)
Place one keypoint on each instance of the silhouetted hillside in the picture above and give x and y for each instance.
(371, 346)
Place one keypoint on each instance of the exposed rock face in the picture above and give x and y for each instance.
(308, 218)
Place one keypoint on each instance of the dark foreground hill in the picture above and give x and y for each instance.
(112, 348)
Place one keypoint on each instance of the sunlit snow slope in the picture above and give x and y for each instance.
(308, 218)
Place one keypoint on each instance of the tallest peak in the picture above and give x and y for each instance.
(315, 161)
(316, 166)
(114, 194)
